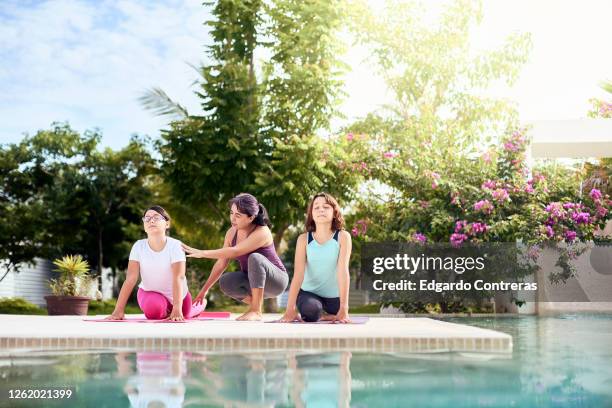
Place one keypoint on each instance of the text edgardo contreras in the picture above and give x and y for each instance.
(410, 264)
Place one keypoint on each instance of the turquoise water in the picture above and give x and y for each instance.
(557, 362)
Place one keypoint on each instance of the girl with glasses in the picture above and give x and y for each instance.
(160, 262)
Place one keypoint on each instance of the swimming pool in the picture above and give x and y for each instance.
(556, 362)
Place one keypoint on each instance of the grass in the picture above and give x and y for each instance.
(20, 306)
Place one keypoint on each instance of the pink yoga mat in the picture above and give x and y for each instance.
(200, 317)
(143, 320)
(354, 320)
(215, 315)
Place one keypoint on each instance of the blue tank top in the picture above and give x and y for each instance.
(320, 276)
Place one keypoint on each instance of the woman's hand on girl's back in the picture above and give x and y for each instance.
(191, 252)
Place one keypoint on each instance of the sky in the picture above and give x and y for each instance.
(87, 61)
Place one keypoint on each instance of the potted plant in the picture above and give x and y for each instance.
(71, 289)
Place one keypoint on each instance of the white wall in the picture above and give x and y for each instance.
(31, 283)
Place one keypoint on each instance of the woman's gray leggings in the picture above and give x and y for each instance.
(262, 274)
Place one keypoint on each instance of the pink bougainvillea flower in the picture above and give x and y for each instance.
(511, 147)
(390, 155)
(459, 225)
(539, 177)
(479, 227)
(350, 137)
(501, 195)
(570, 235)
(556, 210)
(417, 236)
(601, 212)
(457, 239)
(360, 228)
(581, 217)
(484, 205)
(486, 157)
(489, 185)
(595, 194)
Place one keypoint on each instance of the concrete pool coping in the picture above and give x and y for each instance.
(379, 334)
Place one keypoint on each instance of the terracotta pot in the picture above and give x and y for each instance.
(67, 305)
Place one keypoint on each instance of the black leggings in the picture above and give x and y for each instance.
(311, 306)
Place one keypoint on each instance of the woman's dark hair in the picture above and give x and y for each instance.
(338, 219)
(247, 204)
(160, 210)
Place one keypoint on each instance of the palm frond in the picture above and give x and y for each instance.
(156, 100)
(607, 86)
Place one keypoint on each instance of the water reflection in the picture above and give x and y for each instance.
(255, 379)
(157, 380)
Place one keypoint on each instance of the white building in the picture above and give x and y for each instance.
(32, 282)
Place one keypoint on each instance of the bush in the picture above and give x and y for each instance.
(369, 308)
(19, 306)
(97, 307)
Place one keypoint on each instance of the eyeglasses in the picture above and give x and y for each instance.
(155, 218)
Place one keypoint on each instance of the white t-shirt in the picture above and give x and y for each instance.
(155, 267)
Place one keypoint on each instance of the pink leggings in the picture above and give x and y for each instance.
(156, 306)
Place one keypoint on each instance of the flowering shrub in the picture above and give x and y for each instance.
(600, 109)
(493, 198)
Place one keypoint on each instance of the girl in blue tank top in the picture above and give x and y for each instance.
(321, 274)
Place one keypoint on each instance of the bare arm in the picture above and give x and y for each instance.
(178, 275)
(257, 239)
(298, 278)
(344, 276)
(131, 279)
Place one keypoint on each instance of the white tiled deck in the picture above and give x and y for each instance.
(379, 334)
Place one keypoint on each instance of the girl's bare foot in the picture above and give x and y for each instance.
(250, 315)
(327, 317)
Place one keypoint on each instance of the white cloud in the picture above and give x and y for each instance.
(88, 62)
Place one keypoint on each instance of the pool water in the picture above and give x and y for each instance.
(563, 361)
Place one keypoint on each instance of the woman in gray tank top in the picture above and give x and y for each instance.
(321, 275)
(249, 240)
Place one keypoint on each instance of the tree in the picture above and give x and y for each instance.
(209, 158)
(253, 128)
(63, 195)
(440, 115)
(28, 171)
